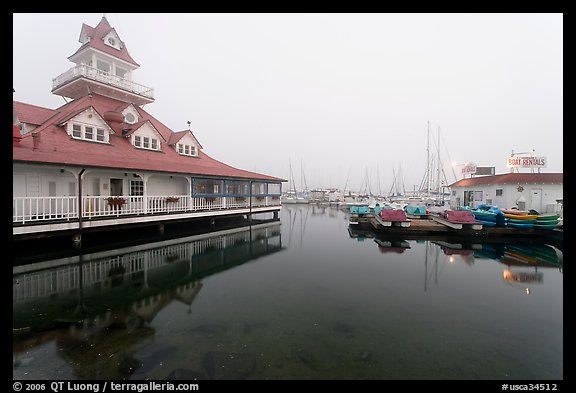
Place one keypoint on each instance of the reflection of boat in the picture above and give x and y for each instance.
(457, 248)
(490, 251)
(533, 254)
(396, 246)
(358, 234)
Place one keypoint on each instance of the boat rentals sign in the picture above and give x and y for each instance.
(526, 162)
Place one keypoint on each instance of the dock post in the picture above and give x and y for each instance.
(161, 229)
(276, 215)
(212, 222)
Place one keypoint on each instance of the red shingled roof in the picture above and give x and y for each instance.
(57, 147)
(511, 178)
(32, 114)
(96, 41)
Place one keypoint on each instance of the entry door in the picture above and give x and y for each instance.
(116, 187)
(536, 199)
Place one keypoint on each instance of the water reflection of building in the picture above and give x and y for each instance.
(194, 255)
(110, 297)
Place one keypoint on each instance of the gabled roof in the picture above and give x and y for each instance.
(72, 114)
(176, 136)
(511, 178)
(32, 114)
(96, 41)
(57, 147)
(135, 127)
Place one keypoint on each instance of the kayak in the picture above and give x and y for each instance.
(521, 216)
(545, 225)
(526, 224)
(548, 217)
(515, 211)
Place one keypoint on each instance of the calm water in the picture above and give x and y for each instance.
(302, 298)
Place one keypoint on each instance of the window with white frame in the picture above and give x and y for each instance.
(103, 67)
(146, 142)
(89, 133)
(186, 150)
(121, 72)
(77, 131)
(100, 135)
(136, 187)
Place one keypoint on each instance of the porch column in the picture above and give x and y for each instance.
(145, 177)
(224, 193)
(189, 204)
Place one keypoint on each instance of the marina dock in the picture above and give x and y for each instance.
(426, 227)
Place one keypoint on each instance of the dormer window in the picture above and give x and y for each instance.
(186, 150)
(89, 133)
(112, 41)
(145, 142)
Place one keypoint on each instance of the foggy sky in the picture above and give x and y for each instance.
(340, 97)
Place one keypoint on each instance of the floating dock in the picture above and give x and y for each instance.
(426, 227)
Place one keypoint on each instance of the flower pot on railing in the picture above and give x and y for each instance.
(116, 202)
(259, 198)
(240, 199)
(210, 199)
(172, 199)
(275, 197)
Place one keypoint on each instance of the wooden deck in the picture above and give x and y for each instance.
(430, 227)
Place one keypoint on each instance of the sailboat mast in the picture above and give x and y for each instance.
(291, 179)
(428, 167)
(439, 163)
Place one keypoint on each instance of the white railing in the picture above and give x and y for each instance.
(44, 208)
(30, 209)
(102, 76)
